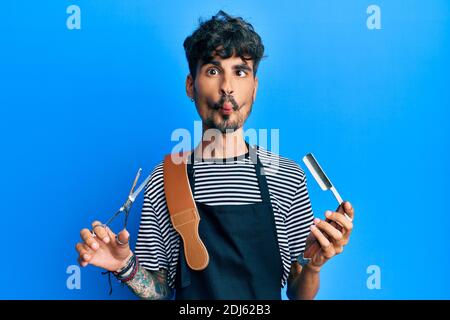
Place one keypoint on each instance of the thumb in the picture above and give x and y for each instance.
(123, 237)
(346, 209)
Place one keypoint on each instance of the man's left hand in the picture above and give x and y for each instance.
(329, 236)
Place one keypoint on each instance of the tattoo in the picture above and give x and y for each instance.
(150, 285)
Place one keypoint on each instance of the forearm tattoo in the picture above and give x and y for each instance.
(150, 285)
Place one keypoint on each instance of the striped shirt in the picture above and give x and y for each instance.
(228, 183)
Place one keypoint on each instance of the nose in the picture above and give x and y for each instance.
(226, 87)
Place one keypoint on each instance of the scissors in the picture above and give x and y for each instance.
(126, 207)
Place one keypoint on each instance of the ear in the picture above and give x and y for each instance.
(255, 89)
(190, 86)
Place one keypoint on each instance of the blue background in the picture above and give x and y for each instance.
(81, 110)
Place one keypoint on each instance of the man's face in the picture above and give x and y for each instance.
(224, 91)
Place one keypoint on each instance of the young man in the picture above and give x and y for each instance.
(254, 225)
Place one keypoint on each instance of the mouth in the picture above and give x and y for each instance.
(227, 108)
(226, 105)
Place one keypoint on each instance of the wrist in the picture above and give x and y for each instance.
(129, 271)
(125, 262)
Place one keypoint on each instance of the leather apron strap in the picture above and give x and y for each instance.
(183, 210)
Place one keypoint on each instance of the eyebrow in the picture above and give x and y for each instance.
(241, 66)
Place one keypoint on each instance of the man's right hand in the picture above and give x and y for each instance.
(103, 250)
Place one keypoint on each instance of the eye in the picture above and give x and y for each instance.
(241, 73)
(212, 72)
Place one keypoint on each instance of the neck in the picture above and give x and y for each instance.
(223, 145)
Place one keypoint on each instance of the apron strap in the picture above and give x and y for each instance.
(260, 174)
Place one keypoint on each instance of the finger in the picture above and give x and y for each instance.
(325, 244)
(84, 251)
(331, 231)
(339, 249)
(84, 254)
(347, 209)
(80, 248)
(89, 239)
(111, 235)
(82, 262)
(100, 230)
(334, 224)
(341, 220)
(123, 237)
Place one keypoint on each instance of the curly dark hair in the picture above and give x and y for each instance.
(225, 36)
